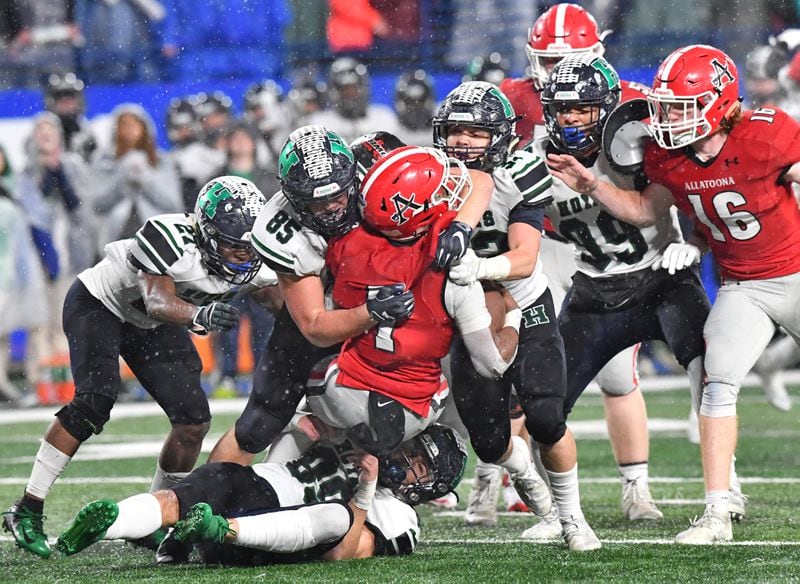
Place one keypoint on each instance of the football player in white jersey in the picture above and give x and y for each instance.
(139, 303)
(331, 503)
(476, 124)
(318, 174)
(617, 299)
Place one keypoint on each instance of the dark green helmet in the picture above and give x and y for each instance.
(477, 104)
(316, 166)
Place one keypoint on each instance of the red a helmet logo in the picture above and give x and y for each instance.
(402, 205)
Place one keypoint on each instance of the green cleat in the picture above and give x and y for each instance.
(88, 527)
(201, 525)
(27, 527)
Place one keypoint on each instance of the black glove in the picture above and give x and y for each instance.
(216, 316)
(453, 244)
(391, 303)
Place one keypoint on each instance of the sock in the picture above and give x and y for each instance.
(139, 516)
(163, 480)
(294, 530)
(519, 461)
(50, 463)
(719, 499)
(566, 494)
(636, 471)
(486, 469)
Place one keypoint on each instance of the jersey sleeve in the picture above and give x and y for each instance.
(528, 173)
(784, 138)
(160, 244)
(395, 525)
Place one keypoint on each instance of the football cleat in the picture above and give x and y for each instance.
(547, 530)
(533, 491)
(775, 389)
(511, 498)
(152, 541)
(737, 502)
(578, 535)
(448, 501)
(172, 551)
(637, 503)
(711, 528)
(482, 502)
(88, 527)
(27, 527)
(201, 525)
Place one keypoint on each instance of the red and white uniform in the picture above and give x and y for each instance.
(746, 214)
(403, 361)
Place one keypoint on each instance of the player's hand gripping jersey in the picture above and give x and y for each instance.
(400, 361)
(165, 245)
(746, 214)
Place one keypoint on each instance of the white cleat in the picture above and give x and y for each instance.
(579, 536)
(775, 390)
(737, 503)
(449, 501)
(482, 503)
(533, 491)
(711, 528)
(637, 503)
(547, 530)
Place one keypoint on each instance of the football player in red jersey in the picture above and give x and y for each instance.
(731, 172)
(387, 383)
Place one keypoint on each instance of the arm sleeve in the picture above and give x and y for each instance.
(467, 306)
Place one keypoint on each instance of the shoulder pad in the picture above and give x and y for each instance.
(625, 135)
(161, 242)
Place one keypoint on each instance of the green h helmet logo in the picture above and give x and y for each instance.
(212, 197)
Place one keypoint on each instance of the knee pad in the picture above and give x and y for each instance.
(86, 414)
(490, 445)
(719, 400)
(546, 422)
(256, 428)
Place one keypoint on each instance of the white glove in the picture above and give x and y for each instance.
(678, 256)
(467, 270)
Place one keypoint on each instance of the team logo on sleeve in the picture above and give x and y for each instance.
(404, 208)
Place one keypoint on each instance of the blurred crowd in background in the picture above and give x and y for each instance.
(69, 185)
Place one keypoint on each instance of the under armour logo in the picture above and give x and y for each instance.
(403, 205)
(734, 161)
(722, 75)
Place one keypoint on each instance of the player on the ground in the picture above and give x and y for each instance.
(139, 303)
(332, 503)
(476, 124)
(616, 300)
(731, 172)
(386, 384)
(318, 173)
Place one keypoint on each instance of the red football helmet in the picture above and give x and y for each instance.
(408, 189)
(693, 91)
(564, 29)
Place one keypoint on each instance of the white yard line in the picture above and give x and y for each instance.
(653, 541)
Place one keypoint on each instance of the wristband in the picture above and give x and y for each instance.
(365, 492)
(513, 319)
(496, 268)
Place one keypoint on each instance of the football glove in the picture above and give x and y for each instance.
(678, 256)
(453, 244)
(471, 268)
(391, 303)
(216, 316)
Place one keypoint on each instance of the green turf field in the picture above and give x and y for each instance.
(767, 546)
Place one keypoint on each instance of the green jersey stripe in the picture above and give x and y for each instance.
(270, 254)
